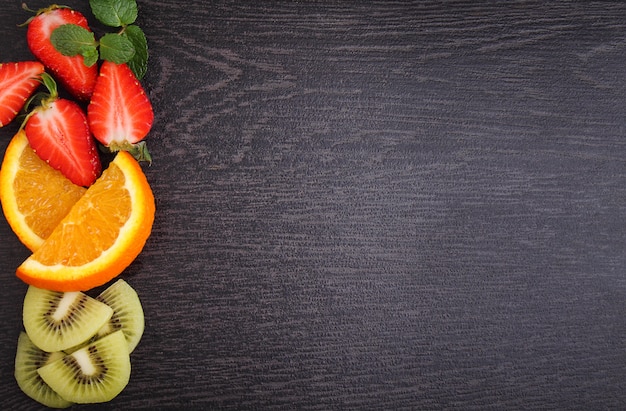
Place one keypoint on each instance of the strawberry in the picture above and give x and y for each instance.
(119, 113)
(17, 82)
(71, 72)
(58, 132)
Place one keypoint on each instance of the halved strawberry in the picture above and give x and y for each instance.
(58, 132)
(71, 72)
(119, 113)
(17, 82)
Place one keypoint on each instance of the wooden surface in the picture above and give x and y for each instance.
(374, 205)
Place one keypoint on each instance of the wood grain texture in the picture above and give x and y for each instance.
(375, 205)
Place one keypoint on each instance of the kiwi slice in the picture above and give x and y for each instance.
(55, 321)
(95, 373)
(27, 360)
(127, 313)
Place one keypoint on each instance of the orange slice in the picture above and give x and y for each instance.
(35, 197)
(101, 235)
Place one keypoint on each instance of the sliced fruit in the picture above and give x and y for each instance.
(35, 197)
(100, 236)
(58, 132)
(18, 81)
(71, 72)
(28, 359)
(55, 321)
(119, 113)
(127, 313)
(95, 373)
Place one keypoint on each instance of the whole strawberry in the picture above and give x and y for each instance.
(18, 81)
(71, 72)
(57, 131)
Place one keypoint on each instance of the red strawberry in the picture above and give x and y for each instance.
(119, 113)
(58, 132)
(71, 72)
(17, 82)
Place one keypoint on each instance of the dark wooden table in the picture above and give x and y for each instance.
(374, 205)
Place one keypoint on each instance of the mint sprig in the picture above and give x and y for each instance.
(128, 45)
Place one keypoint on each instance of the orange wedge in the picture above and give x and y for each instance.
(35, 197)
(101, 235)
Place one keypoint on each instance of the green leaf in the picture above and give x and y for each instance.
(71, 40)
(138, 150)
(114, 13)
(139, 62)
(116, 48)
(141, 153)
(90, 57)
(49, 83)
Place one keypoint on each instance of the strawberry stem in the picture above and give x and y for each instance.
(38, 12)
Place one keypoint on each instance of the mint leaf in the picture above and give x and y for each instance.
(139, 62)
(114, 13)
(71, 40)
(116, 48)
(90, 57)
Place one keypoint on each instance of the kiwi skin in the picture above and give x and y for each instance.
(27, 360)
(127, 315)
(95, 373)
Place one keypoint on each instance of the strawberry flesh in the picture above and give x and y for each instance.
(119, 112)
(71, 72)
(18, 81)
(59, 134)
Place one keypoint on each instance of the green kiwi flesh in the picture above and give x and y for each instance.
(27, 360)
(95, 373)
(56, 321)
(127, 313)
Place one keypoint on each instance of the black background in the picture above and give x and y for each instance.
(373, 205)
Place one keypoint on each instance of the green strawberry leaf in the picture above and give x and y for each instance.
(141, 153)
(139, 62)
(114, 13)
(138, 150)
(50, 84)
(116, 48)
(71, 40)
